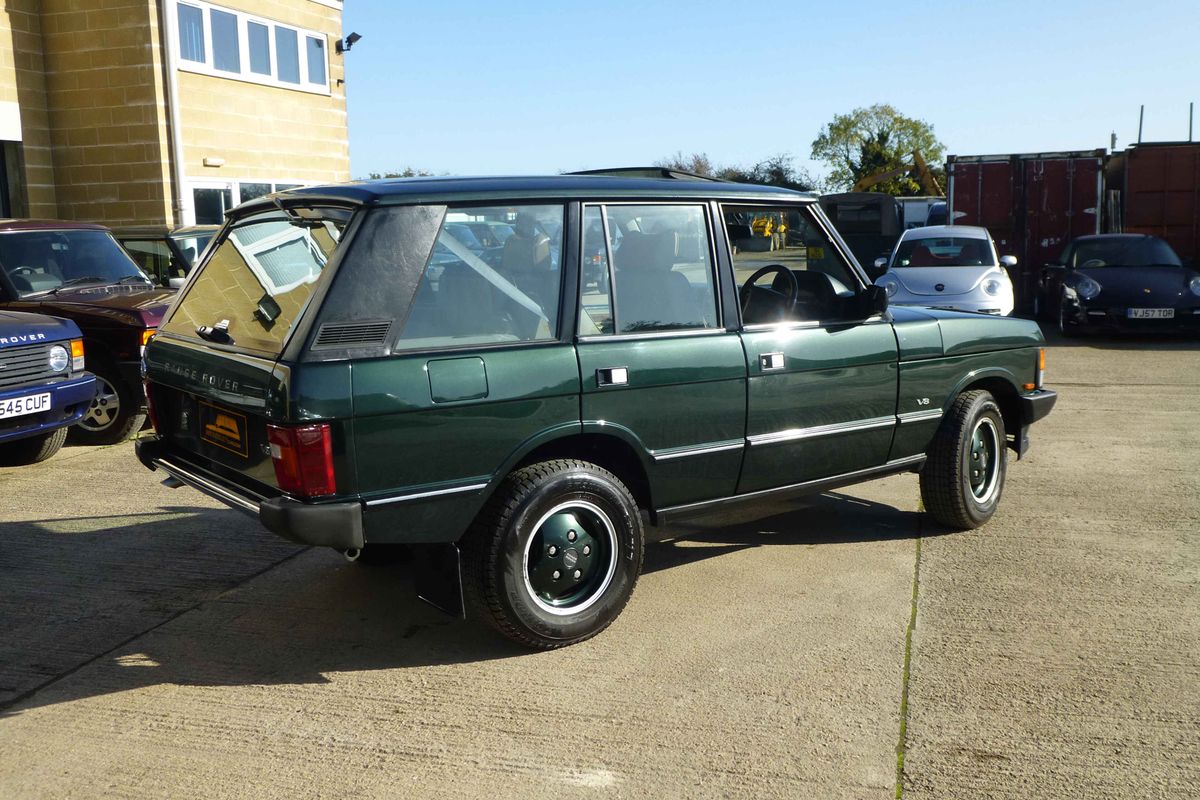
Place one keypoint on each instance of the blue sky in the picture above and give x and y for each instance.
(535, 87)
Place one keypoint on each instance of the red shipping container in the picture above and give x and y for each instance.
(1161, 190)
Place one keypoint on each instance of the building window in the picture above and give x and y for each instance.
(211, 199)
(234, 44)
(316, 60)
(287, 54)
(259, 39)
(191, 33)
(226, 51)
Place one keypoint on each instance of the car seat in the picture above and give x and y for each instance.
(650, 294)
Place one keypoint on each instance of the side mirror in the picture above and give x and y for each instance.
(176, 283)
(1008, 261)
(873, 300)
(880, 263)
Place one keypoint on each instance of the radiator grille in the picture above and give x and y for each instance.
(26, 365)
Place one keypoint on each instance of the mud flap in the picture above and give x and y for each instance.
(439, 577)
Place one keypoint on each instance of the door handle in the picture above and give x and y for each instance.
(768, 361)
(612, 376)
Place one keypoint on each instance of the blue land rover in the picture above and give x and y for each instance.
(43, 387)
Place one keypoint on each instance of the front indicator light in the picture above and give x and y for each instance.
(303, 459)
(77, 355)
(147, 335)
(1041, 369)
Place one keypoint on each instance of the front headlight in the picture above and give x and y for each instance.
(992, 286)
(890, 285)
(59, 358)
(1194, 285)
(1087, 288)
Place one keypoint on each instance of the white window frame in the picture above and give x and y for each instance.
(245, 74)
(235, 190)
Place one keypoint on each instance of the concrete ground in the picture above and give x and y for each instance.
(154, 643)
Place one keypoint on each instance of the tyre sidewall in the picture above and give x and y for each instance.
(614, 501)
(984, 406)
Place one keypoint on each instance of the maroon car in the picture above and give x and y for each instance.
(78, 271)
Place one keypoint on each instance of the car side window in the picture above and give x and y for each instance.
(646, 268)
(786, 267)
(154, 257)
(487, 291)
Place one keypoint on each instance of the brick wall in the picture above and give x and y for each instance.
(107, 111)
(32, 178)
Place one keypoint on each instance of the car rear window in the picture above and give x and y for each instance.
(259, 278)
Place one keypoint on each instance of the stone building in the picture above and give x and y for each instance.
(166, 112)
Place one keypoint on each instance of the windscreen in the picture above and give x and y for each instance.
(944, 251)
(1147, 252)
(257, 281)
(42, 261)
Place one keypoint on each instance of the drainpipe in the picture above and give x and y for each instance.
(182, 198)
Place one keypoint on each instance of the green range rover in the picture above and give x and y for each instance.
(521, 376)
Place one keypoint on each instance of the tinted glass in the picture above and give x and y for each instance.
(191, 33)
(41, 261)
(594, 297)
(1140, 252)
(211, 205)
(821, 283)
(258, 279)
(154, 257)
(259, 40)
(191, 247)
(226, 53)
(490, 295)
(287, 55)
(249, 191)
(944, 251)
(662, 269)
(315, 51)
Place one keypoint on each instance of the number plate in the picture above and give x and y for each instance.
(29, 404)
(1151, 313)
(224, 428)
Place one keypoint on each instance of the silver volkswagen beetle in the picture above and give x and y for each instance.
(948, 266)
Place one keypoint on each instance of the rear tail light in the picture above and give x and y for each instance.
(303, 458)
(150, 406)
(77, 355)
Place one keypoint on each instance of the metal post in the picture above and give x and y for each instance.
(1112, 146)
(1141, 116)
(1191, 116)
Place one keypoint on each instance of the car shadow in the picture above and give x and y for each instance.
(831, 518)
(207, 599)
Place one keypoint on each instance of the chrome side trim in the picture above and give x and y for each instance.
(919, 416)
(702, 450)
(474, 487)
(213, 490)
(795, 434)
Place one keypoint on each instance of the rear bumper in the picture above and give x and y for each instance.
(337, 525)
(68, 403)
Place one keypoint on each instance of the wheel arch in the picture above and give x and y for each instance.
(1003, 387)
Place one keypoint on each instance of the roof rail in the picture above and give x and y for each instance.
(647, 172)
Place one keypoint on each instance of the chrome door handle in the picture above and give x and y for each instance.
(768, 361)
(612, 376)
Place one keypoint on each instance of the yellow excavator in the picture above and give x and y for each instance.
(924, 176)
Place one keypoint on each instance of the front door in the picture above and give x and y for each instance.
(822, 378)
(658, 368)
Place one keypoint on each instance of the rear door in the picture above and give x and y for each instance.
(822, 378)
(658, 366)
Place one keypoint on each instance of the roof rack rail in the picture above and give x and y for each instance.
(647, 172)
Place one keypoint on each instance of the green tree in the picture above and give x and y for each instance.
(407, 172)
(873, 141)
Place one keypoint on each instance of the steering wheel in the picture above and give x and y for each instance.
(23, 271)
(786, 298)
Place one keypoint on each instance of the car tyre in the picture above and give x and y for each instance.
(32, 449)
(963, 478)
(115, 413)
(554, 556)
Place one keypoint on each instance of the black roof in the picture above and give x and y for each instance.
(1091, 237)
(396, 191)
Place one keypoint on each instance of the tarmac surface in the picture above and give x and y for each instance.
(154, 643)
